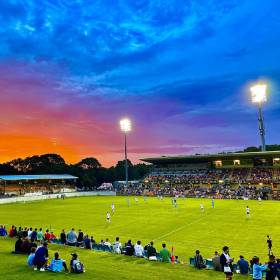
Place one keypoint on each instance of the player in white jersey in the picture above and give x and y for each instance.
(108, 216)
(247, 212)
(136, 200)
(113, 208)
(128, 201)
(259, 199)
(202, 207)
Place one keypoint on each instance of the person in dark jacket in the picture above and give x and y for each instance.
(129, 249)
(226, 261)
(41, 257)
(151, 251)
(272, 268)
(63, 237)
(18, 245)
(198, 260)
(243, 265)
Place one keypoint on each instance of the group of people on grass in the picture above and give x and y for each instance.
(270, 270)
(29, 238)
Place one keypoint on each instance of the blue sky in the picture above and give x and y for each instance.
(180, 69)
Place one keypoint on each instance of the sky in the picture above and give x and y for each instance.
(179, 69)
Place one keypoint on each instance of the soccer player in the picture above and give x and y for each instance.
(113, 208)
(202, 207)
(213, 203)
(108, 216)
(175, 202)
(247, 212)
(259, 199)
(136, 200)
(269, 245)
(127, 201)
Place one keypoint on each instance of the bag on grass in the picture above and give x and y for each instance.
(227, 269)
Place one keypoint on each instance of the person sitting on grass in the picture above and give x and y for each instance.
(31, 245)
(31, 257)
(18, 245)
(57, 264)
(243, 265)
(80, 238)
(63, 237)
(107, 243)
(24, 248)
(75, 265)
(177, 261)
(138, 248)
(151, 251)
(164, 253)
(47, 236)
(129, 248)
(198, 260)
(40, 235)
(72, 237)
(3, 231)
(87, 243)
(216, 262)
(53, 238)
(258, 268)
(117, 246)
(41, 257)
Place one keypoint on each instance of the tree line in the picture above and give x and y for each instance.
(89, 170)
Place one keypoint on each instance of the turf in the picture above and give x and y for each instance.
(186, 228)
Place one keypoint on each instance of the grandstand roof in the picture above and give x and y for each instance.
(37, 177)
(211, 157)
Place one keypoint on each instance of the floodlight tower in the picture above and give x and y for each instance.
(125, 125)
(259, 96)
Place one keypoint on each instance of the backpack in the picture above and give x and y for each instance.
(78, 267)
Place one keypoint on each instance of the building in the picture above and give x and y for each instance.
(40, 184)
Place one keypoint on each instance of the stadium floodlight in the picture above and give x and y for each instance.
(259, 96)
(125, 125)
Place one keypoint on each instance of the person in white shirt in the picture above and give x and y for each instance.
(107, 243)
(138, 248)
(29, 233)
(248, 212)
(202, 207)
(136, 200)
(117, 246)
(113, 207)
(108, 216)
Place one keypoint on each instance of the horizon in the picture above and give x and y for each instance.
(181, 71)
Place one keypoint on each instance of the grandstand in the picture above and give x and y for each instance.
(237, 174)
(36, 184)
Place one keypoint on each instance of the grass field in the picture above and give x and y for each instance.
(185, 227)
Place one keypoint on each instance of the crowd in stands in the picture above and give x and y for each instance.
(237, 183)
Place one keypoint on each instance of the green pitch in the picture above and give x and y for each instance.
(186, 228)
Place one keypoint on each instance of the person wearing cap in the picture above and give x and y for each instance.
(75, 265)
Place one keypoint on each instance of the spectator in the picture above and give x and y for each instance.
(272, 269)
(41, 257)
(47, 236)
(164, 253)
(72, 238)
(216, 262)
(226, 263)
(87, 243)
(151, 251)
(243, 265)
(177, 261)
(138, 248)
(63, 237)
(278, 268)
(34, 234)
(18, 245)
(117, 246)
(75, 265)
(57, 264)
(3, 231)
(129, 249)
(12, 231)
(29, 233)
(107, 243)
(25, 246)
(40, 235)
(31, 244)
(31, 257)
(258, 269)
(80, 238)
(198, 260)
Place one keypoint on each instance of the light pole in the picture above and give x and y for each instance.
(125, 125)
(258, 93)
